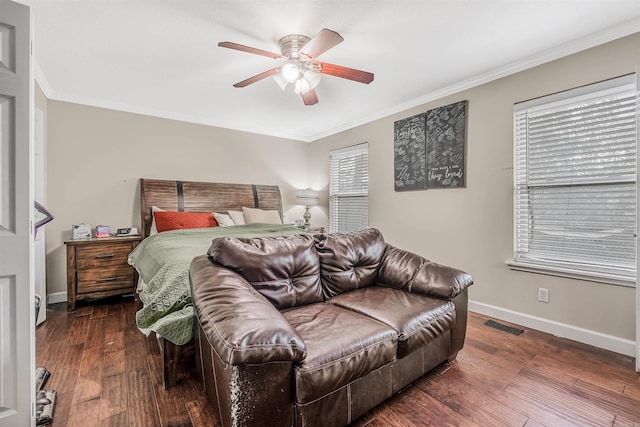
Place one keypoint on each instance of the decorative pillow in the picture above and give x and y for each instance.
(154, 230)
(170, 220)
(223, 220)
(237, 217)
(259, 215)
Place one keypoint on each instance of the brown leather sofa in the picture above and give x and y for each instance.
(317, 330)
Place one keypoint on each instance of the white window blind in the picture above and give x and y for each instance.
(575, 183)
(349, 188)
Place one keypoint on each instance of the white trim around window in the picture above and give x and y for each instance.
(575, 183)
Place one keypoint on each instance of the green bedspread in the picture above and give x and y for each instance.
(163, 261)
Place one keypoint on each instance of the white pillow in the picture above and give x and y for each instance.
(223, 220)
(237, 217)
(154, 230)
(260, 215)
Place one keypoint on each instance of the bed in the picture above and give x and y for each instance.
(162, 260)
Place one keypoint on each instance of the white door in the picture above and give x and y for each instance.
(17, 329)
(637, 220)
(39, 251)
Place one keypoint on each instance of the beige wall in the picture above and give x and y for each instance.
(471, 228)
(96, 156)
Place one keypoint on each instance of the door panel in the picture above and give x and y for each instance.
(17, 330)
(637, 220)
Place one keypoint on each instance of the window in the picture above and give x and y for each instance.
(575, 183)
(349, 188)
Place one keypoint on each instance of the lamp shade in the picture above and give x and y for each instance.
(307, 197)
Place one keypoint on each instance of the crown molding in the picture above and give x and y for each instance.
(41, 79)
(596, 39)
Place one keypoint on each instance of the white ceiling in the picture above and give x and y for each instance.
(160, 57)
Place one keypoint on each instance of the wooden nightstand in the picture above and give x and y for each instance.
(98, 268)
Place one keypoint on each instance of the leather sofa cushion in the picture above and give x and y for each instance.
(342, 346)
(349, 260)
(285, 269)
(418, 319)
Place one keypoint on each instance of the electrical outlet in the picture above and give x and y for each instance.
(543, 294)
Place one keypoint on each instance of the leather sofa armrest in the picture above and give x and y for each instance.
(405, 270)
(239, 323)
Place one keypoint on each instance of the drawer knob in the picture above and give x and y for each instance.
(106, 279)
(105, 256)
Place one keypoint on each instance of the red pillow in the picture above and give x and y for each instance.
(170, 220)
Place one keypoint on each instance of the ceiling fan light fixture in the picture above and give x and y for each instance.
(302, 86)
(290, 72)
(280, 80)
(313, 78)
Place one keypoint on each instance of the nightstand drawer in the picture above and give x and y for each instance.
(105, 255)
(104, 279)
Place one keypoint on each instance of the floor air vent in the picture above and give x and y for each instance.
(504, 328)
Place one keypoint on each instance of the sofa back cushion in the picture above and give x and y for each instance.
(349, 260)
(284, 269)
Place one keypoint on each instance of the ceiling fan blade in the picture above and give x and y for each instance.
(257, 77)
(310, 97)
(320, 43)
(345, 72)
(249, 49)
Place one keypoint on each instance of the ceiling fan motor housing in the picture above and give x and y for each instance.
(291, 44)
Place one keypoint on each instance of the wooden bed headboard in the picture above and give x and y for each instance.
(190, 196)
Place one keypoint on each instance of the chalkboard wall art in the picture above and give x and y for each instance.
(429, 149)
(446, 137)
(409, 151)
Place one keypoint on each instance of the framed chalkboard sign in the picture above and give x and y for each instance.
(429, 149)
(409, 151)
(446, 137)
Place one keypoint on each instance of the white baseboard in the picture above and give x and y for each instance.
(56, 297)
(563, 330)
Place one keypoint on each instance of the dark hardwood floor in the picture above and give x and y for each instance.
(107, 374)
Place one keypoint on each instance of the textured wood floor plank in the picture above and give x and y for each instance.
(64, 380)
(71, 355)
(89, 383)
(475, 405)
(135, 356)
(118, 420)
(143, 410)
(114, 362)
(62, 409)
(625, 405)
(79, 330)
(99, 311)
(573, 372)
(171, 407)
(84, 414)
(560, 398)
(113, 399)
(198, 406)
(97, 329)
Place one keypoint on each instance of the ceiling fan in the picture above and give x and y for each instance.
(300, 67)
